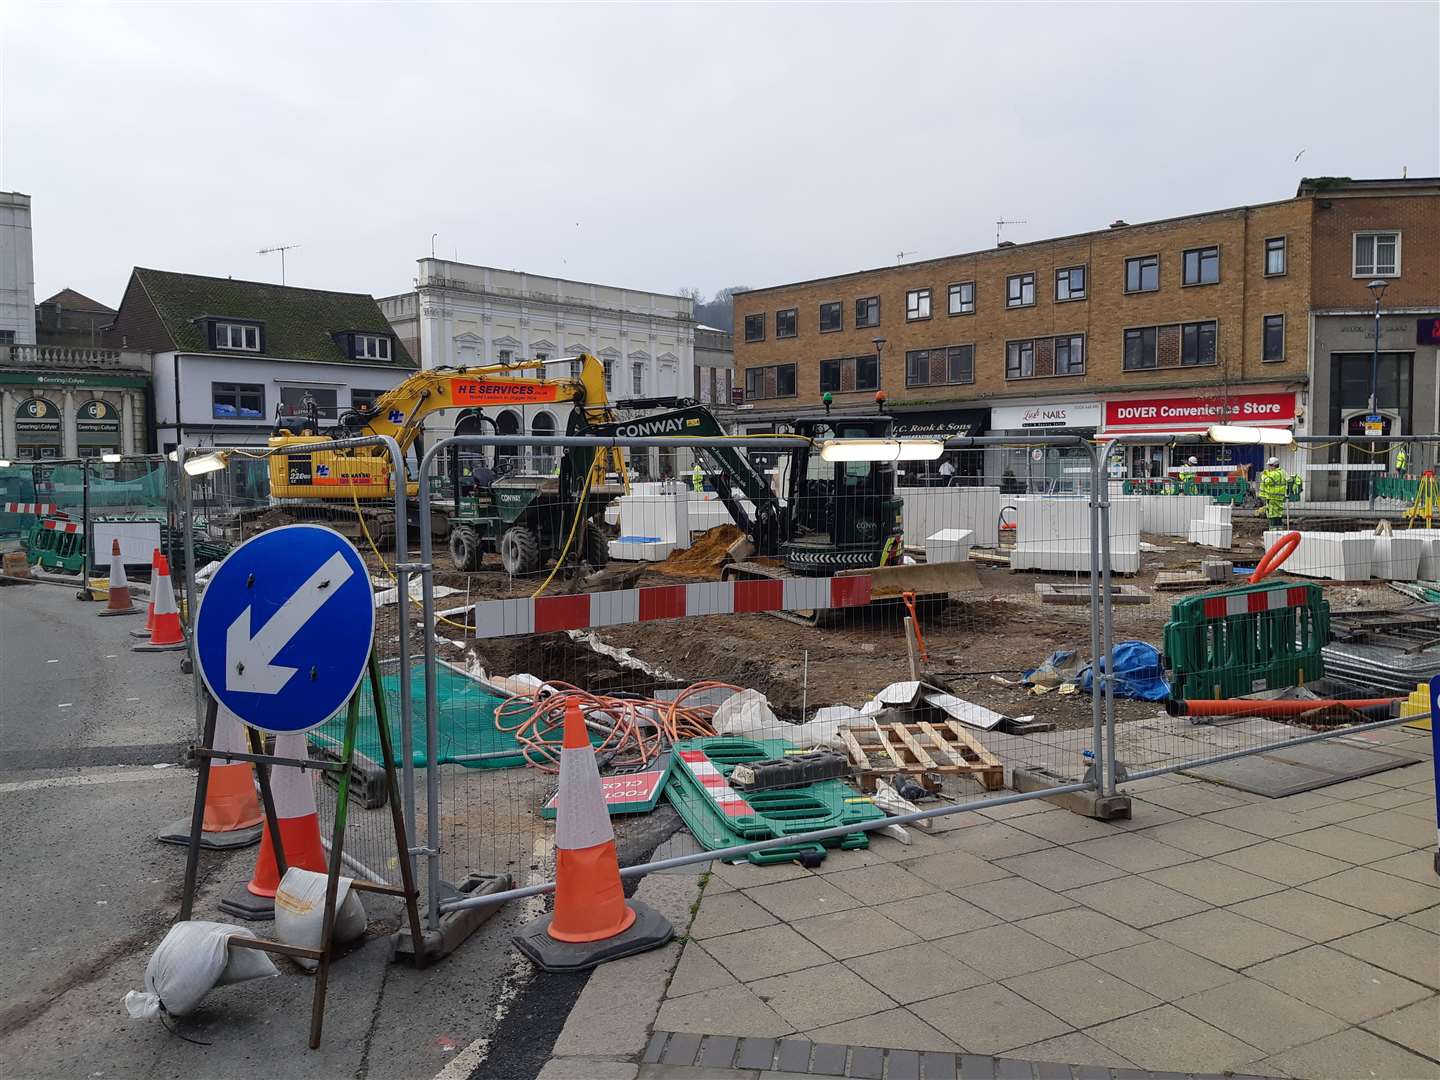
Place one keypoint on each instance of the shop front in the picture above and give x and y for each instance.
(1043, 470)
(963, 467)
(1152, 424)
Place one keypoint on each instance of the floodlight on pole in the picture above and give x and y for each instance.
(207, 463)
(881, 449)
(1250, 436)
(111, 459)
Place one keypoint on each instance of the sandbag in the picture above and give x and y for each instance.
(193, 958)
(300, 912)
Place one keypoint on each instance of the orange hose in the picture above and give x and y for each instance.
(636, 730)
(1273, 559)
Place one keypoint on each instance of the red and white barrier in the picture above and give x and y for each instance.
(62, 526)
(726, 799)
(1219, 607)
(547, 614)
(38, 509)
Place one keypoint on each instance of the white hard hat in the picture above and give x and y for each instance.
(1272, 461)
(1192, 460)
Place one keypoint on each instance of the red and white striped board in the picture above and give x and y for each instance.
(726, 799)
(1276, 599)
(547, 614)
(38, 509)
(62, 526)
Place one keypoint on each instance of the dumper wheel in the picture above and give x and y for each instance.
(465, 552)
(519, 551)
(596, 549)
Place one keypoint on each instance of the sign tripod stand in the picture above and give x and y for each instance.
(262, 761)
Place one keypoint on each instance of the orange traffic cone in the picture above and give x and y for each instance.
(149, 627)
(232, 810)
(119, 602)
(294, 792)
(591, 922)
(166, 635)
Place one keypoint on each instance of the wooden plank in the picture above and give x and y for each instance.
(857, 752)
(903, 731)
(940, 742)
(885, 742)
(968, 740)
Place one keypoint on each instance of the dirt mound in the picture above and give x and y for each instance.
(703, 558)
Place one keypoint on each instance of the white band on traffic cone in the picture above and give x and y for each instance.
(583, 821)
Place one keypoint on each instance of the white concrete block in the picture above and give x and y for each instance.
(1053, 533)
(1214, 529)
(1397, 557)
(930, 510)
(1333, 555)
(1170, 515)
(665, 518)
(1429, 568)
(627, 550)
(948, 545)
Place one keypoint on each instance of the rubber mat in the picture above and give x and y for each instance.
(1291, 770)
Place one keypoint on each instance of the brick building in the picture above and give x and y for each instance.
(1152, 328)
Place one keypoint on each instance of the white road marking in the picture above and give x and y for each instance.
(52, 661)
(132, 699)
(108, 656)
(66, 704)
(110, 775)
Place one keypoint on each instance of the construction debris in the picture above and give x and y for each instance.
(1079, 595)
(922, 751)
(1180, 580)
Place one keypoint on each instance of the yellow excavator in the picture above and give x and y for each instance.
(309, 480)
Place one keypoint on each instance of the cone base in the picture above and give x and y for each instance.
(650, 930)
(151, 647)
(132, 610)
(145, 633)
(178, 832)
(244, 904)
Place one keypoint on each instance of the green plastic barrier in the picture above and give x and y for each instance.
(1240, 641)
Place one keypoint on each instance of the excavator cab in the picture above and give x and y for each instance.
(845, 513)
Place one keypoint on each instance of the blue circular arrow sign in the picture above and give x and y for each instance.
(284, 629)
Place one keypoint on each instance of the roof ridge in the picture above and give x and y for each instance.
(247, 281)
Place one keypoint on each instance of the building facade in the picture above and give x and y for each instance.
(1364, 232)
(714, 378)
(1141, 330)
(72, 318)
(60, 401)
(229, 360)
(17, 271)
(463, 315)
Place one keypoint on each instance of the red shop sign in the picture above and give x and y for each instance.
(1200, 412)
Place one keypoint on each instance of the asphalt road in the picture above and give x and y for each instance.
(86, 892)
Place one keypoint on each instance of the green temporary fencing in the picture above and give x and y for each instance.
(1244, 640)
(56, 544)
(1396, 487)
(720, 817)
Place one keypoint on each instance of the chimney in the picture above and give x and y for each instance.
(1005, 243)
(1119, 223)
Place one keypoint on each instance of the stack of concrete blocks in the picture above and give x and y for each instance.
(1429, 568)
(1171, 515)
(1053, 533)
(652, 526)
(948, 545)
(1334, 555)
(1397, 557)
(707, 511)
(930, 510)
(1214, 529)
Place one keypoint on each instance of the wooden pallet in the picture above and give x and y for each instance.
(944, 747)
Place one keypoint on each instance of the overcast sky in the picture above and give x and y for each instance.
(658, 146)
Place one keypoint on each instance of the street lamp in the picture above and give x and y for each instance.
(1377, 289)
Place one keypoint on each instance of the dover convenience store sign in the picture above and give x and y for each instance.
(1198, 413)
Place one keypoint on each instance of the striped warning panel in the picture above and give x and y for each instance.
(62, 526)
(38, 509)
(716, 787)
(547, 614)
(1219, 607)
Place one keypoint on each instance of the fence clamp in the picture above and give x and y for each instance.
(414, 567)
(429, 853)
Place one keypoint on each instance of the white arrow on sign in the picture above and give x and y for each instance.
(247, 659)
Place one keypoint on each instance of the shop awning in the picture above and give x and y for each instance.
(942, 423)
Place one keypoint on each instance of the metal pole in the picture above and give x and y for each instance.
(402, 598)
(187, 526)
(1375, 363)
(1096, 709)
(86, 538)
(1107, 612)
(432, 711)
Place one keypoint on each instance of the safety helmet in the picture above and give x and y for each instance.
(1273, 462)
(1192, 460)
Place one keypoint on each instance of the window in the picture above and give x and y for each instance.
(237, 336)
(372, 347)
(1070, 284)
(1020, 290)
(785, 323)
(297, 400)
(1140, 348)
(831, 317)
(917, 304)
(962, 298)
(1142, 274)
(364, 399)
(1019, 359)
(506, 356)
(948, 364)
(755, 327)
(1274, 339)
(754, 383)
(7, 337)
(1070, 355)
(637, 379)
(237, 401)
(1201, 266)
(785, 380)
(867, 373)
(1197, 343)
(609, 376)
(542, 357)
(829, 375)
(1377, 254)
(867, 311)
(1274, 256)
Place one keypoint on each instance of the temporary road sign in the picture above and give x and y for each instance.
(284, 628)
(626, 793)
